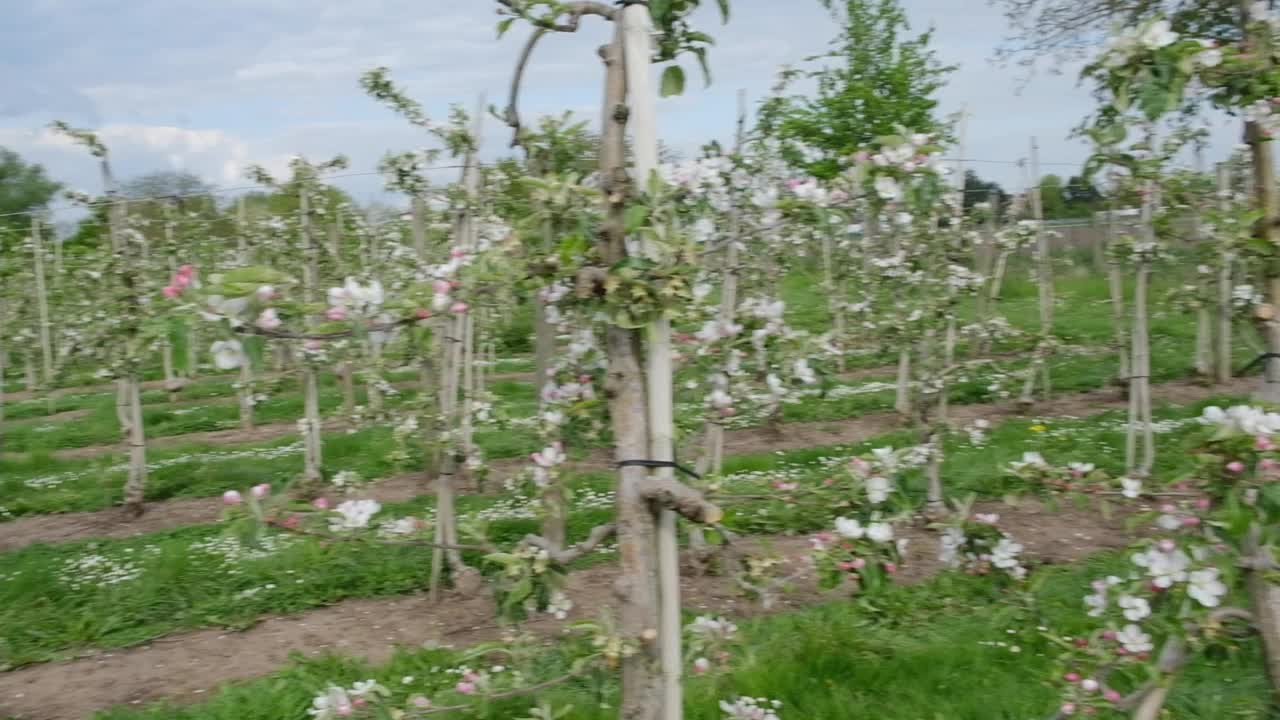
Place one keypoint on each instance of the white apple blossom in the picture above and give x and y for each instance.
(949, 545)
(1130, 488)
(227, 354)
(330, 704)
(849, 528)
(880, 532)
(355, 514)
(1157, 35)
(268, 320)
(1164, 567)
(878, 489)
(1134, 640)
(1135, 608)
(888, 189)
(1205, 587)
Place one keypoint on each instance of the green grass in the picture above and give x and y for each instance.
(941, 650)
(178, 588)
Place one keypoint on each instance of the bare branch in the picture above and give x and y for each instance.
(675, 495)
(512, 114)
(279, 524)
(598, 534)
(337, 335)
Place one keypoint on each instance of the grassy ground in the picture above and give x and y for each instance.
(181, 583)
(953, 648)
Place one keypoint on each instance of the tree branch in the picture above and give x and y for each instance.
(338, 335)
(340, 538)
(512, 113)
(675, 495)
(514, 692)
(598, 534)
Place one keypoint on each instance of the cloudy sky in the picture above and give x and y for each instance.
(210, 87)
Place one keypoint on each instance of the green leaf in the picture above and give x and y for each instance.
(635, 218)
(672, 81)
(504, 25)
(701, 54)
(724, 10)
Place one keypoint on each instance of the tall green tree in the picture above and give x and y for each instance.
(23, 187)
(977, 190)
(875, 78)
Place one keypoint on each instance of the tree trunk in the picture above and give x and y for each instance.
(1204, 343)
(42, 306)
(1264, 600)
(637, 584)
(313, 453)
(1225, 311)
(244, 395)
(135, 483)
(902, 403)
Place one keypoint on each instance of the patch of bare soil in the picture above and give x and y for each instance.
(187, 666)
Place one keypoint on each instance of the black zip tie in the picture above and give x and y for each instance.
(1256, 362)
(658, 464)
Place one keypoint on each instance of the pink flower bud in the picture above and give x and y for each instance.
(1168, 508)
(1112, 695)
(859, 563)
(420, 701)
(313, 344)
(320, 503)
(344, 710)
(455, 284)
(186, 270)
(1191, 521)
(291, 522)
(171, 291)
(182, 282)
(459, 307)
(1071, 677)
(1121, 651)
(359, 702)
(1202, 503)
(1108, 634)
(1263, 443)
(457, 253)
(846, 566)
(336, 313)
(231, 497)
(701, 665)
(1235, 466)
(1068, 708)
(422, 313)
(891, 568)
(440, 287)
(1167, 545)
(261, 491)
(466, 688)
(727, 411)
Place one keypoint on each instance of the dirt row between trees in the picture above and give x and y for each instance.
(168, 514)
(186, 667)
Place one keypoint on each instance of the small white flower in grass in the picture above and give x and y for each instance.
(1134, 640)
(332, 703)
(849, 528)
(355, 514)
(880, 532)
(1080, 468)
(1206, 588)
(1130, 488)
(1089, 685)
(1168, 522)
(1135, 608)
